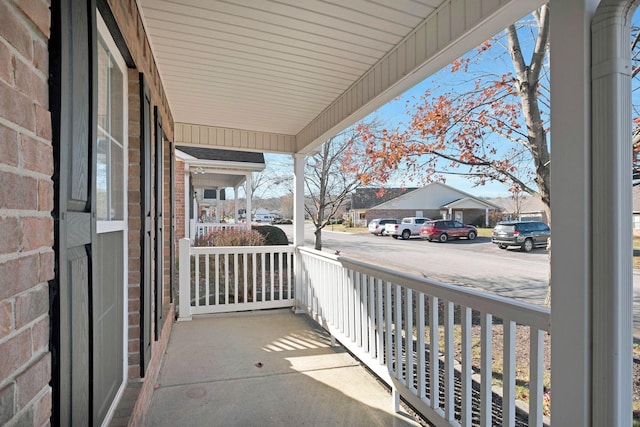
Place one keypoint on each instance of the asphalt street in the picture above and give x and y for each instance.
(478, 264)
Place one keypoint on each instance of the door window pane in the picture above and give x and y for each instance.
(110, 169)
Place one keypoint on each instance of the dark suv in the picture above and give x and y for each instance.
(526, 234)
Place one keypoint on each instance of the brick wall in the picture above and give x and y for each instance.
(26, 224)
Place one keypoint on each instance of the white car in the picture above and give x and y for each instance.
(376, 226)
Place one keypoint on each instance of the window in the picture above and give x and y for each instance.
(112, 142)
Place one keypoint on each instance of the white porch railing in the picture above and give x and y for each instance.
(235, 278)
(204, 228)
(388, 320)
(383, 317)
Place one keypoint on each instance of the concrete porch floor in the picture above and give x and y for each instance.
(266, 368)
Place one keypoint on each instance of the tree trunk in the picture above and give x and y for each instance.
(318, 234)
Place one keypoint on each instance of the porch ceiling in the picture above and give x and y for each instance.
(304, 69)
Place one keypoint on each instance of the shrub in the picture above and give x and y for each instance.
(272, 235)
(231, 237)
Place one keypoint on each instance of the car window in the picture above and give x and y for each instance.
(406, 220)
(456, 224)
(420, 220)
(541, 226)
(505, 228)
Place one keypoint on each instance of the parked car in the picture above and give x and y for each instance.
(445, 229)
(376, 226)
(409, 226)
(283, 221)
(526, 234)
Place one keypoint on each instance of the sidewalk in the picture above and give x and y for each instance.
(261, 369)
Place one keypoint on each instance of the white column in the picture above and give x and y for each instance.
(298, 199)
(248, 194)
(299, 161)
(218, 204)
(187, 202)
(571, 205)
(235, 205)
(612, 245)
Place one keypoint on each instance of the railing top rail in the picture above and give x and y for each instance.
(506, 308)
(203, 250)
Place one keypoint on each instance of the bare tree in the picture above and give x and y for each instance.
(330, 176)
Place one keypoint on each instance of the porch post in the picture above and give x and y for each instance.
(218, 204)
(184, 286)
(248, 192)
(187, 202)
(572, 212)
(235, 205)
(612, 245)
(298, 224)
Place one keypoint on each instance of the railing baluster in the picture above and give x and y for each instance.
(245, 282)
(235, 279)
(280, 275)
(263, 269)
(449, 378)
(398, 333)
(372, 318)
(536, 377)
(486, 359)
(206, 279)
(389, 335)
(466, 366)
(422, 362)
(254, 277)
(358, 309)
(197, 281)
(225, 271)
(217, 278)
(408, 338)
(272, 268)
(351, 306)
(434, 359)
(508, 373)
(379, 322)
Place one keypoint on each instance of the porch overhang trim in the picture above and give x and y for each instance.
(236, 139)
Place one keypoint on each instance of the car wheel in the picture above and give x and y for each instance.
(527, 245)
(406, 234)
(471, 235)
(502, 246)
(394, 236)
(443, 238)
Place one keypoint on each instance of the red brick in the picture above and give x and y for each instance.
(15, 353)
(6, 318)
(18, 275)
(133, 332)
(8, 143)
(43, 122)
(31, 84)
(46, 261)
(33, 380)
(45, 195)
(14, 30)
(36, 233)
(43, 409)
(133, 305)
(38, 12)
(36, 156)
(41, 57)
(40, 335)
(31, 305)
(15, 106)
(7, 403)
(24, 194)
(6, 66)
(11, 235)
(134, 371)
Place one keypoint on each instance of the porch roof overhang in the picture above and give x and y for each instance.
(219, 168)
(284, 76)
(469, 203)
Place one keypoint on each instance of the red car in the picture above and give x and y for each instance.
(445, 229)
